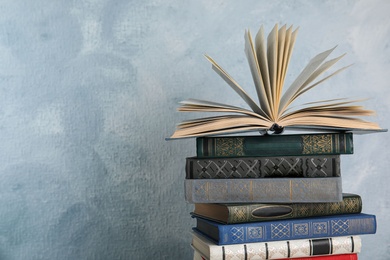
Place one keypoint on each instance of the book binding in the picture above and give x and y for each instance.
(253, 212)
(316, 227)
(264, 190)
(263, 167)
(277, 249)
(275, 145)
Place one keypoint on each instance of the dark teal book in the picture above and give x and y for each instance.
(316, 227)
(275, 145)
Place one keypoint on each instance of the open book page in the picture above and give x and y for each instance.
(280, 56)
(303, 78)
(232, 83)
(264, 94)
(220, 125)
(214, 125)
(268, 62)
(289, 45)
(338, 113)
(305, 86)
(193, 105)
(272, 55)
(261, 54)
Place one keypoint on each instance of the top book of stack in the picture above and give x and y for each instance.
(275, 145)
(268, 62)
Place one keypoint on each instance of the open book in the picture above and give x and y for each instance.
(268, 61)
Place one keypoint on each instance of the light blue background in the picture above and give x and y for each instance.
(88, 92)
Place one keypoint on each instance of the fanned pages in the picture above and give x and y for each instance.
(264, 97)
(268, 60)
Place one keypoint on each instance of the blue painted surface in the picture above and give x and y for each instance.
(88, 92)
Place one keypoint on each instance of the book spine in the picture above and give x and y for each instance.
(263, 190)
(351, 204)
(275, 145)
(330, 226)
(263, 167)
(281, 249)
(353, 256)
(197, 256)
(328, 257)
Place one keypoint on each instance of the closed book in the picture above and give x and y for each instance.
(275, 145)
(263, 167)
(327, 257)
(277, 249)
(304, 228)
(253, 212)
(198, 256)
(263, 190)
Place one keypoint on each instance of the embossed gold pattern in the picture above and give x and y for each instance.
(352, 205)
(320, 228)
(239, 215)
(301, 229)
(319, 144)
(340, 227)
(229, 146)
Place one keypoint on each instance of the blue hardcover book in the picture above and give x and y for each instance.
(326, 226)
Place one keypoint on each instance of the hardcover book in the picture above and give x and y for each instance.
(263, 167)
(277, 249)
(327, 257)
(198, 256)
(264, 190)
(268, 61)
(250, 212)
(278, 230)
(275, 145)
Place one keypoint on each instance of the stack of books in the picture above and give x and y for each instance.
(274, 195)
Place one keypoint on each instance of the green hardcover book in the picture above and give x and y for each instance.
(250, 212)
(275, 145)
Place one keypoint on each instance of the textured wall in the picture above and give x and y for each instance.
(88, 92)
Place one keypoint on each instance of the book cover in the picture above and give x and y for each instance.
(278, 230)
(263, 167)
(253, 212)
(275, 145)
(277, 249)
(263, 190)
